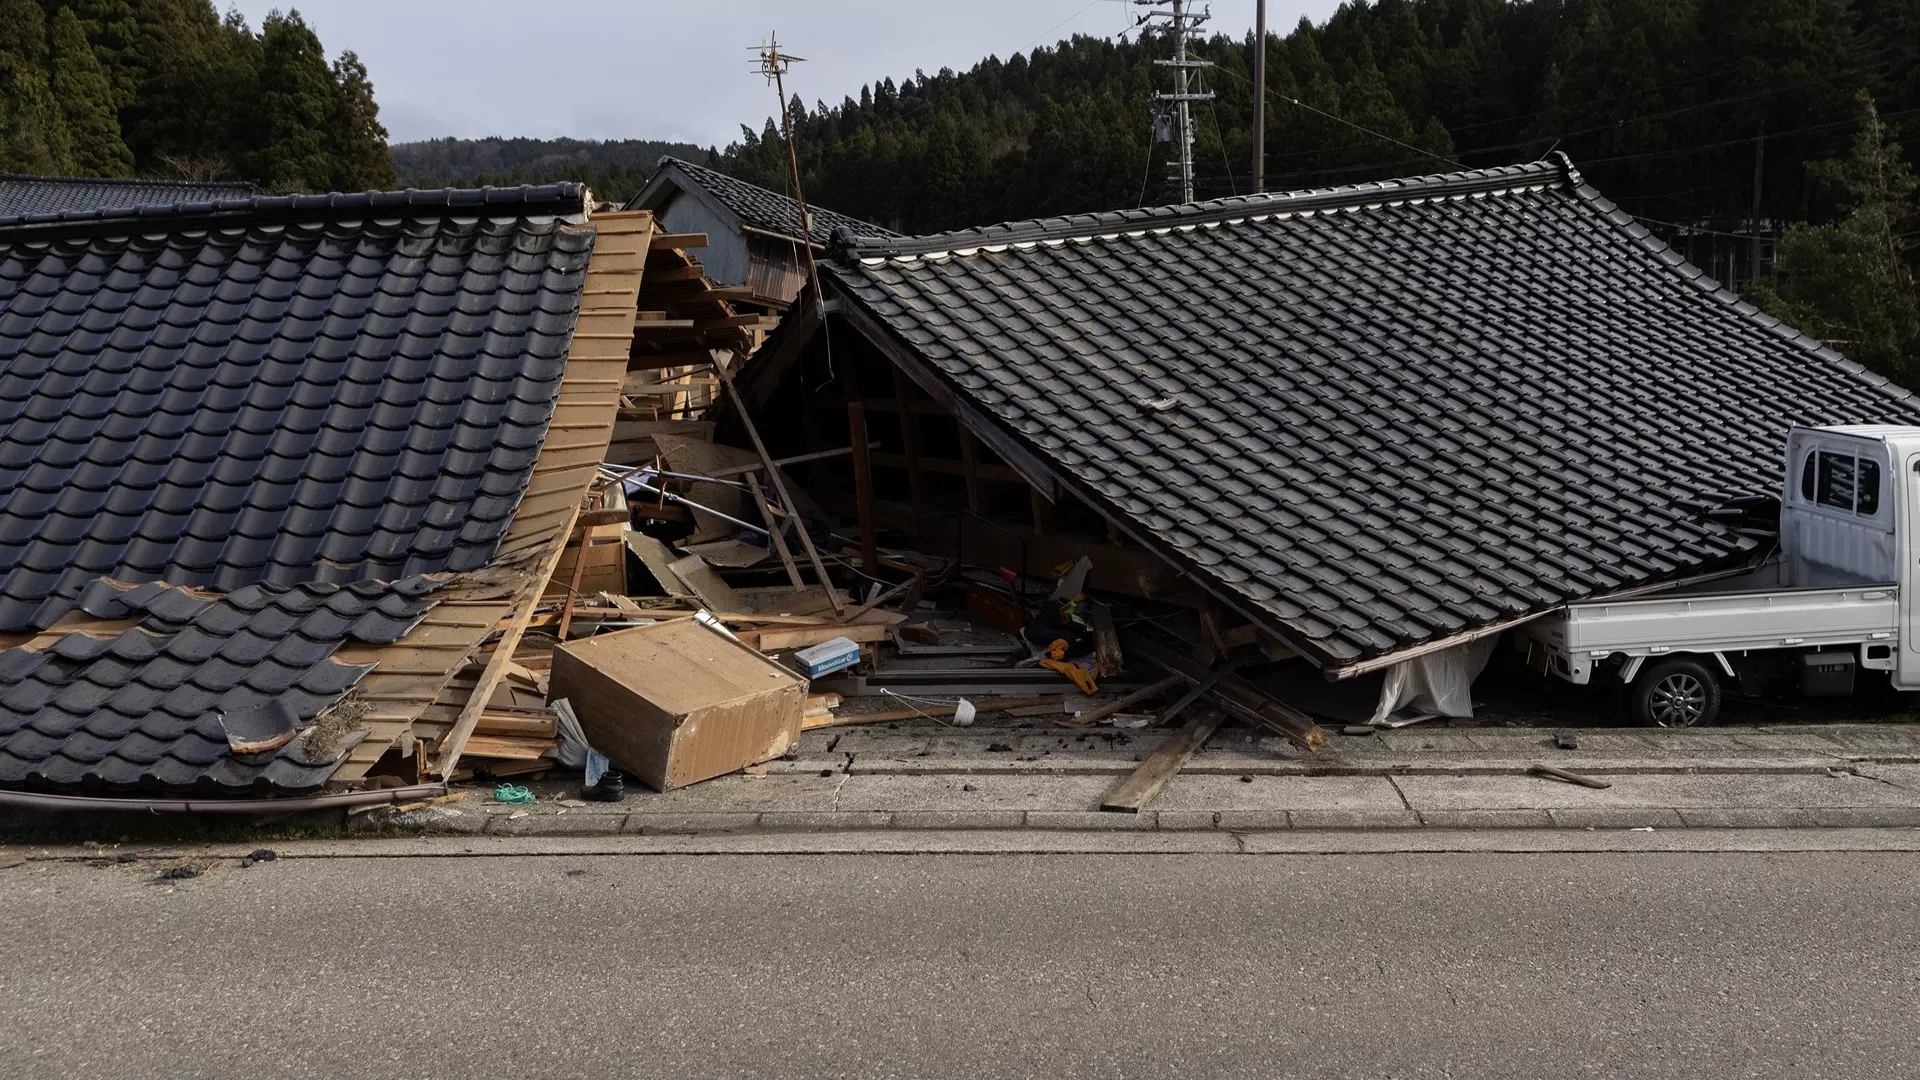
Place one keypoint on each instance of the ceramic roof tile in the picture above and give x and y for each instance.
(86, 713)
(1295, 395)
(280, 434)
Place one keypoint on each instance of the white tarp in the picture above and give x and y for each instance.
(1440, 682)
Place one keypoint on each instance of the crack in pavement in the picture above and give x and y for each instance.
(1404, 801)
(1854, 770)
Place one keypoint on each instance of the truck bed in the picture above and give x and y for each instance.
(1731, 616)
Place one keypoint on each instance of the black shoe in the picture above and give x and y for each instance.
(611, 788)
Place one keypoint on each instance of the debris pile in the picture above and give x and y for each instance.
(705, 612)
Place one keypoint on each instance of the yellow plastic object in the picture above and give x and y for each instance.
(1081, 677)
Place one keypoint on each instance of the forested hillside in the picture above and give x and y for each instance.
(168, 88)
(615, 170)
(1660, 101)
(1676, 109)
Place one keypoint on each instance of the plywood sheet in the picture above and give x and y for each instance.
(658, 560)
(697, 576)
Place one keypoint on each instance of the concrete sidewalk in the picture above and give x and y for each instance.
(1032, 775)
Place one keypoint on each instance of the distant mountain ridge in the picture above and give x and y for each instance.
(615, 169)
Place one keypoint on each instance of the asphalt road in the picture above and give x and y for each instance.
(1459, 965)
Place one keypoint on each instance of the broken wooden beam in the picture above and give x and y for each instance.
(931, 712)
(1235, 694)
(1570, 777)
(677, 240)
(1095, 715)
(455, 741)
(1132, 794)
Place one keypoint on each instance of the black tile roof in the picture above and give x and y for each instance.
(162, 706)
(23, 195)
(755, 206)
(311, 388)
(1378, 416)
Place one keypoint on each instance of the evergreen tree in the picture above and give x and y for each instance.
(33, 133)
(180, 119)
(113, 30)
(362, 161)
(85, 98)
(1850, 282)
(297, 100)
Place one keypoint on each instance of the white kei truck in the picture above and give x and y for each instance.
(1838, 596)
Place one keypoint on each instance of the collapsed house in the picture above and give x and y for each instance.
(275, 471)
(1370, 425)
(323, 493)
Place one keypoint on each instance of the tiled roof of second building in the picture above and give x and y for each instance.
(22, 196)
(769, 211)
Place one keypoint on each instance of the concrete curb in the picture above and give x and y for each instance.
(425, 823)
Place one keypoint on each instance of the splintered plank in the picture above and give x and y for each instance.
(496, 669)
(511, 726)
(1132, 794)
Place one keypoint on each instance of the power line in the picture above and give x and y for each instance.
(1220, 135)
(1635, 93)
(1692, 229)
(1370, 131)
(1091, 4)
(1683, 151)
(1523, 144)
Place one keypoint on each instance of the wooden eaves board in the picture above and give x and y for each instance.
(411, 675)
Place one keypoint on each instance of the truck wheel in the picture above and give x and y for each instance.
(1680, 692)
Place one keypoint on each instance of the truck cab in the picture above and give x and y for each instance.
(1831, 600)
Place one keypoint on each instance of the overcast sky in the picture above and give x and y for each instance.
(676, 69)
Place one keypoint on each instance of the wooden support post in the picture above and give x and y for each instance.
(585, 533)
(1042, 512)
(1131, 795)
(863, 486)
(910, 441)
(775, 533)
(970, 466)
(780, 488)
(456, 738)
(1106, 641)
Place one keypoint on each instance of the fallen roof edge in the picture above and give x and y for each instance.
(557, 200)
(849, 245)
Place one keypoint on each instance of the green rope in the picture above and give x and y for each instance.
(512, 793)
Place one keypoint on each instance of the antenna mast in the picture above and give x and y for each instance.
(775, 64)
(1177, 127)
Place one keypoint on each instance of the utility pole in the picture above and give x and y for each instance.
(1260, 97)
(1753, 219)
(1182, 23)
